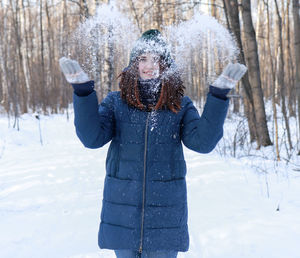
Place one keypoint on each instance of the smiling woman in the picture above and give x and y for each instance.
(144, 208)
(151, 81)
(148, 66)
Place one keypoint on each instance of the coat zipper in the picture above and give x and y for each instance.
(144, 183)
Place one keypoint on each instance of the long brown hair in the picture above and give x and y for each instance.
(172, 89)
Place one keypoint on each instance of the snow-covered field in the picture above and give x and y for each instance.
(50, 199)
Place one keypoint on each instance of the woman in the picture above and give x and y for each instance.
(144, 209)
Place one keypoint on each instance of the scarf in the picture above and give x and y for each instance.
(149, 91)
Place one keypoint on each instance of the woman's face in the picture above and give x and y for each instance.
(148, 66)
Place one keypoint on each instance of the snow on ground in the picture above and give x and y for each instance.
(50, 199)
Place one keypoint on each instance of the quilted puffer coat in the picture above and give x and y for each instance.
(145, 199)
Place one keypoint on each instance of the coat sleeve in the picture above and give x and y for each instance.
(95, 124)
(202, 134)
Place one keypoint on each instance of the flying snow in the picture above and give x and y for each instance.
(200, 37)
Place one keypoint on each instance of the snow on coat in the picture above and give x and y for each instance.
(145, 199)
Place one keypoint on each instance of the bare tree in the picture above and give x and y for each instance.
(272, 72)
(252, 61)
(280, 74)
(232, 16)
(296, 19)
(33, 35)
(3, 59)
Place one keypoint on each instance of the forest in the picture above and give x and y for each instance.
(55, 189)
(35, 34)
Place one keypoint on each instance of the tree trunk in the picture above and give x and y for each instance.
(288, 68)
(261, 44)
(42, 79)
(135, 14)
(296, 19)
(50, 79)
(84, 10)
(25, 57)
(110, 60)
(232, 14)
(272, 83)
(254, 75)
(280, 75)
(20, 77)
(214, 10)
(3, 60)
(158, 14)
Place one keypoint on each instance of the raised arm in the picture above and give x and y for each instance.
(94, 123)
(202, 134)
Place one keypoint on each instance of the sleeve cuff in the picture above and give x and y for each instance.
(83, 89)
(218, 93)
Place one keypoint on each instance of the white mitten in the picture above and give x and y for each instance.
(230, 76)
(72, 71)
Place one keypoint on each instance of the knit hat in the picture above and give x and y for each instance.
(151, 41)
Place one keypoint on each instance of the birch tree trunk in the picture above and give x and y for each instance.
(24, 54)
(3, 59)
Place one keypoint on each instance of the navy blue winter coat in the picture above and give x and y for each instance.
(145, 198)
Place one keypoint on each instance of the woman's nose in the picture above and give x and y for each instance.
(150, 64)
